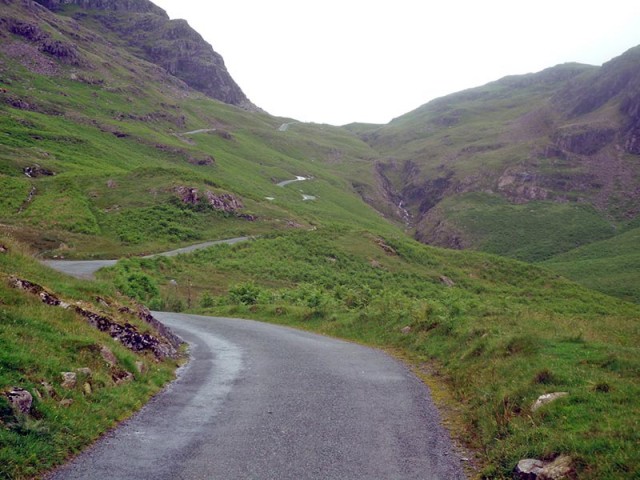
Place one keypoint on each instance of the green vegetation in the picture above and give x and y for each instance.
(108, 138)
(37, 343)
(532, 232)
(611, 266)
(534, 331)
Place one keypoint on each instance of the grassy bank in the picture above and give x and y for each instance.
(497, 333)
(37, 343)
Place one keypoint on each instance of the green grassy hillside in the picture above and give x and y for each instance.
(611, 266)
(495, 332)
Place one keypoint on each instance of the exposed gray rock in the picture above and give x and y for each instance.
(534, 469)
(528, 469)
(69, 380)
(20, 399)
(547, 398)
(406, 330)
(166, 345)
(108, 356)
(447, 281)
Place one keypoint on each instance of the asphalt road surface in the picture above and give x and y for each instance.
(87, 268)
(259, 401)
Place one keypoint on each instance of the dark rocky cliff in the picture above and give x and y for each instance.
(146, 30)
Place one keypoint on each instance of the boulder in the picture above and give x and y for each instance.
(20, 399)
(528, 469)
(406, 330)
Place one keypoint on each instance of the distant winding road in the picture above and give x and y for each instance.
(87, 268)
(259, 401)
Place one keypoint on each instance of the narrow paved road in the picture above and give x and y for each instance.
(87, 268)
(259, 401)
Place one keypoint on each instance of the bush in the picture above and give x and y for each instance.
(246, 294)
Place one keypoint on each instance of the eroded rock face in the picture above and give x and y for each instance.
(163, 346)
(587, 140)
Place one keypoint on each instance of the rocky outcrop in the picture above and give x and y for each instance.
(224, 202)
(584, 140)
(36, 171)
(164, 345)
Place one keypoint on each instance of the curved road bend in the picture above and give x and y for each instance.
(87, 268)
(260, 401)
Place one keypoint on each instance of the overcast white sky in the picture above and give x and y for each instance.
(341, 61)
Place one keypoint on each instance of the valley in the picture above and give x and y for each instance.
(488, 238)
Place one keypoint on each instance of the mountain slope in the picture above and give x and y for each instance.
(564, 137)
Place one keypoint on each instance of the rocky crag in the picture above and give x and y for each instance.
(145, 30)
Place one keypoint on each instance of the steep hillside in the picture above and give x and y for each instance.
(562, 141)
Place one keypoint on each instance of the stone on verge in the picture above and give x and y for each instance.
(547, 398)
(534, 469)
